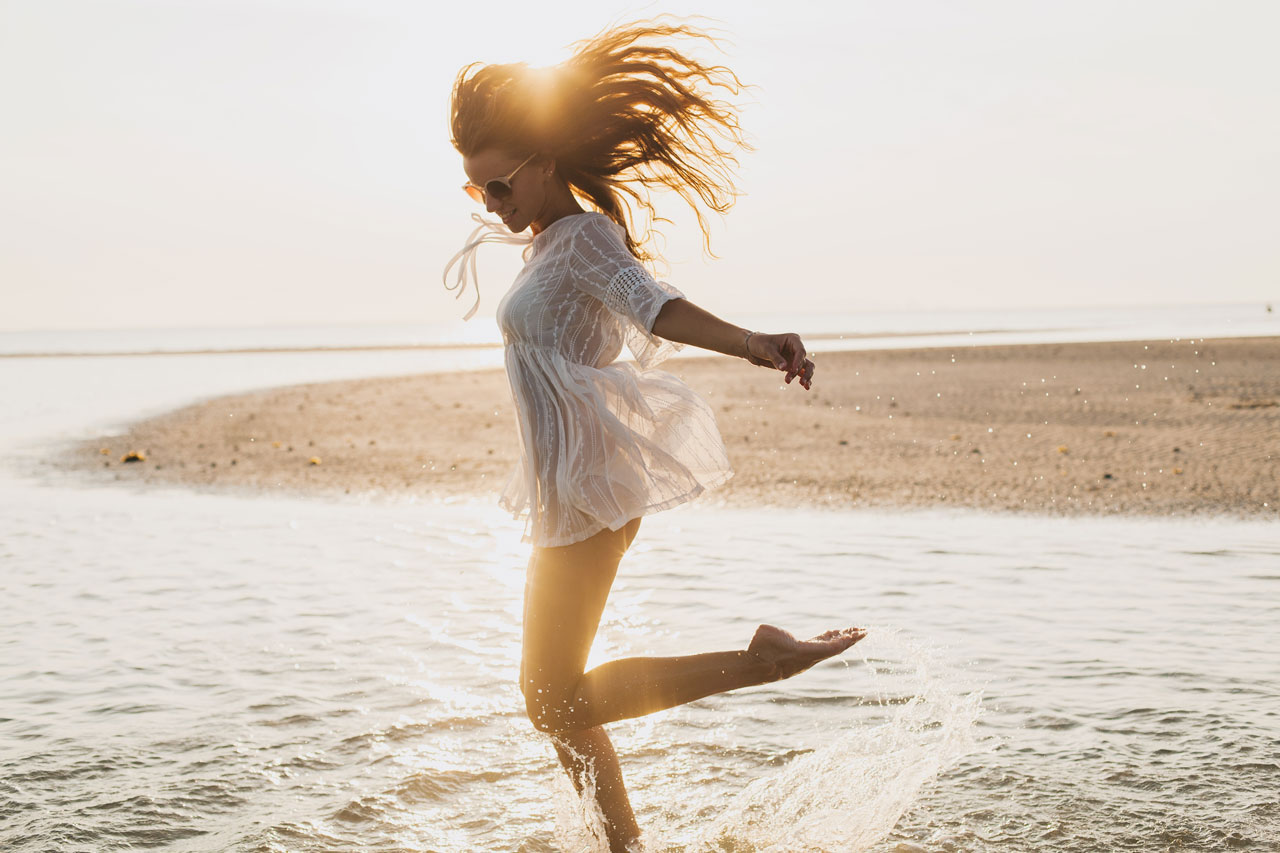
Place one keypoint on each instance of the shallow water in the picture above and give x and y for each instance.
(193, 672)
(199, 672)
(855, 330)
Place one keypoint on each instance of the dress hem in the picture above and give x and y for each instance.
(617, 523)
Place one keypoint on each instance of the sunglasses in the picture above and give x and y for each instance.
(496, 188)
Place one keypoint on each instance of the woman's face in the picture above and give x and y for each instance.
(528, 195)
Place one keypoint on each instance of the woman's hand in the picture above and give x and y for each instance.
(783, 352)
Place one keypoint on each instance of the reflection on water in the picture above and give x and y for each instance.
(200, 673)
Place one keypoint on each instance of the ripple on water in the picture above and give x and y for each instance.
(306, 676)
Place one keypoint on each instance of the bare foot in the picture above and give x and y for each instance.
(788, 656)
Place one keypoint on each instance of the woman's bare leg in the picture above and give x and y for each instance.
(634, 687)
(565, 595)
(587, 755)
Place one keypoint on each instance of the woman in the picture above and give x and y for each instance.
(558, 152)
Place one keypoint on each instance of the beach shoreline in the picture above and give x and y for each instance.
(1183, 427)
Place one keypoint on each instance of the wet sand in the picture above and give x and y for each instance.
(1150, 427)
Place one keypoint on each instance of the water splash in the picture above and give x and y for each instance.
(580, 825)
(846, 795)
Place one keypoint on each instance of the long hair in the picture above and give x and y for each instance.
(625, 114)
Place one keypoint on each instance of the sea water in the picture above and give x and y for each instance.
(204, 672)
(825, 330)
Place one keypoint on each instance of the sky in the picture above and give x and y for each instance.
(277, 162)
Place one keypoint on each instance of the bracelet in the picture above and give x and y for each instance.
(746, 346)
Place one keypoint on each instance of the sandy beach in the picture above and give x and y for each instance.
(1149, 427)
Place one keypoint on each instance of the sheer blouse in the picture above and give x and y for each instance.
(602, 441)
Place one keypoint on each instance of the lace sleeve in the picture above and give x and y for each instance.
(604, 268)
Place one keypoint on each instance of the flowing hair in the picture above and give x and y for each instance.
(627, 113)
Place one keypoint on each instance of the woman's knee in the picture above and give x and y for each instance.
(551, 711)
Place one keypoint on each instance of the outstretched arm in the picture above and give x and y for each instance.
(683, 322)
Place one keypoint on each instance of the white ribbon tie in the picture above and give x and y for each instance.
(487, 231)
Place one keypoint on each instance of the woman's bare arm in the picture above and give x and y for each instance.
(683, 322)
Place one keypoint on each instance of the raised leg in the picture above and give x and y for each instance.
(565, 595)
(634, 687)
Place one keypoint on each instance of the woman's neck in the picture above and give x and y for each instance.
(560, 203)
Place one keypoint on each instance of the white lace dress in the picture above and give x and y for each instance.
(602, 441)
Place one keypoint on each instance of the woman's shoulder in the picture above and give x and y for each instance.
(589, 237)
(568, 230)
(589, 222)
(596, 234)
